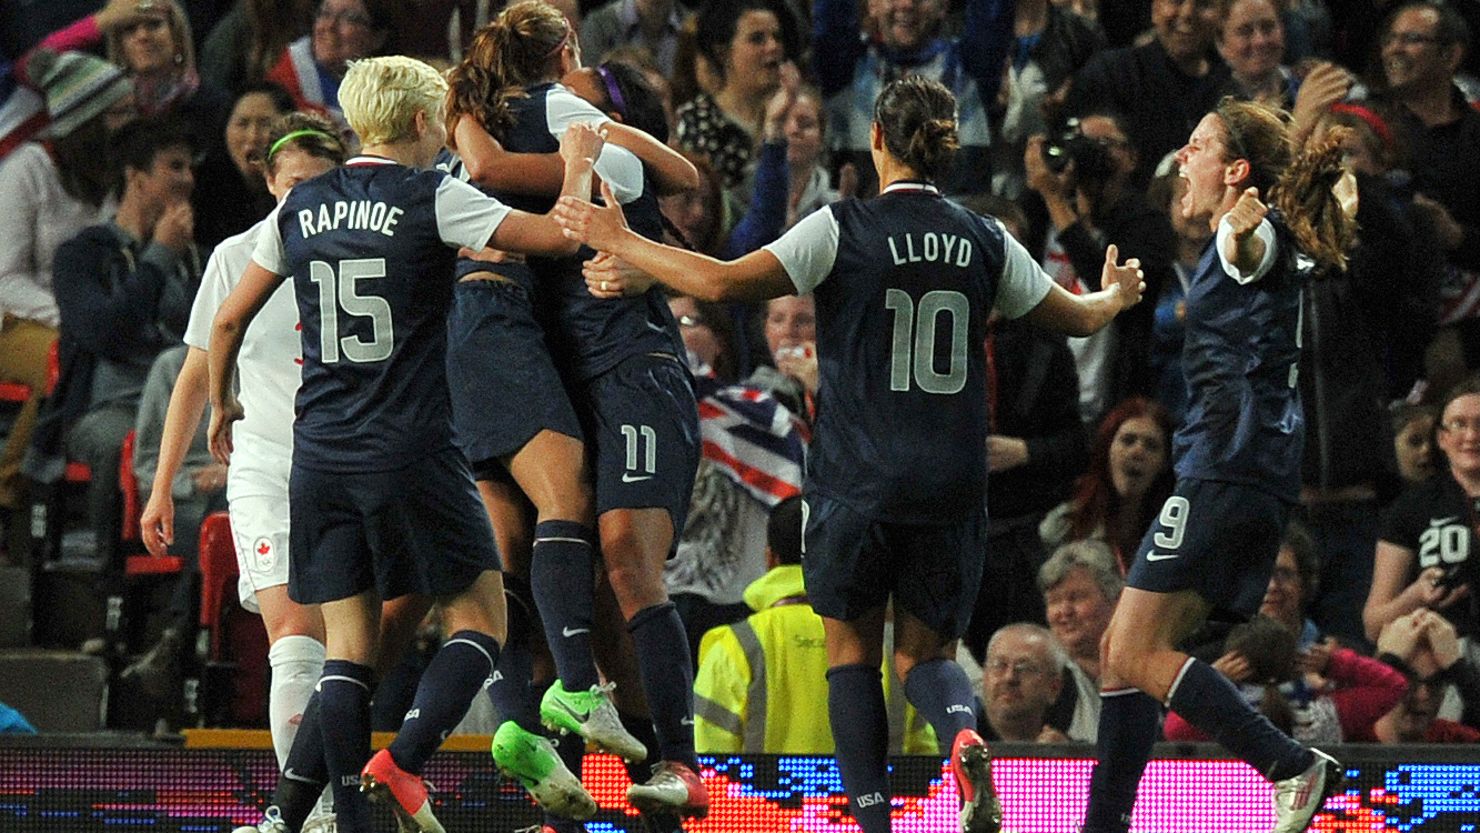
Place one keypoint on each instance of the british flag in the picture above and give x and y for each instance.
(753, 439)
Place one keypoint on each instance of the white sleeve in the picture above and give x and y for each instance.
(618, 167)
(807, 252)
(269, 252)
(214, 287)
(1264, 232)
(1023, 284)
(467, 217)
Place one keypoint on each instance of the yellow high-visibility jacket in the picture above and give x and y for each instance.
(762, 684)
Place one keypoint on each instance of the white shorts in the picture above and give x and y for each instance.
(259, 523)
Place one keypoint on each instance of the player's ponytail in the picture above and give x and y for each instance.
(515, 50)
(918, 119)
(1301, 186)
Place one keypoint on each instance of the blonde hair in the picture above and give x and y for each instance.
(381, 97)
(180, 34)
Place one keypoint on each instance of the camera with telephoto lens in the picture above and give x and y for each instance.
(1091, 157)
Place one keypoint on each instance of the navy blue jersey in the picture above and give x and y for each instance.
(1244, 421)
(588, 335)
(371, 248)
(903, 284)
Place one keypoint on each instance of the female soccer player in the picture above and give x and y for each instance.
(257, 482)
(631, 399)
(378, 493)
(1213, 547)
(897, 471)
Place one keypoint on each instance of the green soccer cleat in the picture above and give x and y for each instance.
(531, 759)
(591, 715)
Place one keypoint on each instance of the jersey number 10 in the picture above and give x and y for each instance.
(913, 352)
(337, 292)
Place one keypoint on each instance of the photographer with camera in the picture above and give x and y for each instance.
(1083, 176)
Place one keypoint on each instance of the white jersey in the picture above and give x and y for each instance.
(269, 369)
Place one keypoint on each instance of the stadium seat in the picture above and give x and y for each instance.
(218, 572)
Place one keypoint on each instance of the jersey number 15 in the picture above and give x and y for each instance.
(337, 291)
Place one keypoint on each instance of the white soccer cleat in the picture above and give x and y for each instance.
(1298, 799)
(272, 822)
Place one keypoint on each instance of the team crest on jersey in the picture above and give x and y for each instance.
(262, 551)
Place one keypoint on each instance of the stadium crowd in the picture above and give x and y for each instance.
(131, 144)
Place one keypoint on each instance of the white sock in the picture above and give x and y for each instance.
(297, 662)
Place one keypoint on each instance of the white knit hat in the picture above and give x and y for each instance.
(77, 87)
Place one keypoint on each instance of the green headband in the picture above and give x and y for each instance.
(296, 134)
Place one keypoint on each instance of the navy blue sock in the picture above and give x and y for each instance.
(447, 688)
(642, 729)
(304, 773)
(860, 727)
(940, 691)
(509, 688)
(1207, 700)
(663, 664)
(344, 714)
(561, 575)
(1130, 723)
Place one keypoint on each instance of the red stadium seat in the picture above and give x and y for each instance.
(218, 572)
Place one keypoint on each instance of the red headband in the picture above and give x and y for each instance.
(560, 44)
(1378, 124)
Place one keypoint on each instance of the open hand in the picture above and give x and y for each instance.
(1127, 277)
(773, 126)
(598, 227)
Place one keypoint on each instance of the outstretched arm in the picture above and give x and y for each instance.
(754, 277)
(537, 234)
(1083, 315)
(542, 174)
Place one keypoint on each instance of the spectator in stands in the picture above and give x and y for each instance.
(1326, 694)
(789, 329)
(1426, 554)
(651, 24)
(151, 40)
(249, 38)
(852, 69)
(1036, 447)
(1081, 584)
(231, 196)
(1160, 89)
(311, 67)
(744, 44)
(1413, 443)
(1021, 679)
(1129, 477)
(760, 679)
(1423, 46)
(1090, 201)
(1292, 585)
(1169, 327)
(124, 289)
(752, 458)
(810, 185)
(50, 189)
(1424, 646)
(1050, 43)
(1251, 40)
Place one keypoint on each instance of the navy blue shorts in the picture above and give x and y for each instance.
(1217, 539)
(853, 564)
(642, 430)
(504, 387)
(417, 529)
